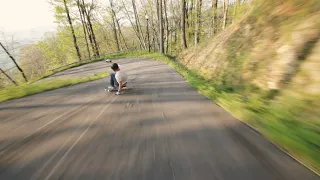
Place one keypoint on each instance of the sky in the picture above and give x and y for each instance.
(27, 19)
(23, 21)
(25, 15)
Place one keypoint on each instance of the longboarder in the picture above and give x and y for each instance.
(118, 80)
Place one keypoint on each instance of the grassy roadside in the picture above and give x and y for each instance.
(15, 92)
(291, 123)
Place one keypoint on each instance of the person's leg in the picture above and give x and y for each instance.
(113, 81)
(112, 78)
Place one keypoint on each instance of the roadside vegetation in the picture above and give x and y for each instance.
(14, 92)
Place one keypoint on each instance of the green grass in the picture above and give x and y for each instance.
(15, 92)
(291, 123)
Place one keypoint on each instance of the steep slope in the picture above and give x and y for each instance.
(265, 69)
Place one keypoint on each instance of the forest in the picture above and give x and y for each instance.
(88, 29)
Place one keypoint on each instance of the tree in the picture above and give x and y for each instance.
(57, 48)
(33, 61)
(190, 17)
(136, 27)
(82, 19)
(214, 17)
(14, 82)
(87, 10)
(161, 49)
(198, 22)
(72, 30)
(225, 13)
(183, 24)
(236, 5)
(113, 19)
(121, 34)
(167, 26)
(118, 25)
(175, 25)
(14, 61)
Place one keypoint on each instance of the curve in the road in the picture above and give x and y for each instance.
(159, 129)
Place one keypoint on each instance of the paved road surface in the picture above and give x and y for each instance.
(161, 129)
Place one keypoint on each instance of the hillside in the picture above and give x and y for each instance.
(265, 69)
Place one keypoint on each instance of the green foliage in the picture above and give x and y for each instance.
(60, 13)
(271, 94)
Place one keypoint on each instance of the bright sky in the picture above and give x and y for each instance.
(22, 15)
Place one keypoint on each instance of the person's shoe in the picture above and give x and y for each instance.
(109, 89)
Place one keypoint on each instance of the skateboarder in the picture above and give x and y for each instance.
(118, 79)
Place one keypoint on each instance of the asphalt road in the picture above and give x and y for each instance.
(159, 129)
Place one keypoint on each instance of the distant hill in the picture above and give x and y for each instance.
(20, 38)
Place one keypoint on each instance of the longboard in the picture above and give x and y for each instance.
(114, 90)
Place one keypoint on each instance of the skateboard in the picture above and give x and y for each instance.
(111, 89)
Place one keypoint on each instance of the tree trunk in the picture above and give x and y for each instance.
(138, 23)
(198, 22)
(148, 36)
(154, 43)
(154, 24)
(72, 30)
(157, 35)
(115, 34)
(196, 29)
(119, 29)
(84, 27)
(14, 61)
(234, 10)
(120, 32)
(190, 18)
(161, 49)
(183, 24)
(92, 36)
(236, 5)
(14, 82)
(167, 26)
(89, 33)
(157, 2)
(133, 26)
(214, 19)
(84, 14)
(225, 13)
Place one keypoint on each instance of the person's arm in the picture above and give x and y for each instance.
(120, 86)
